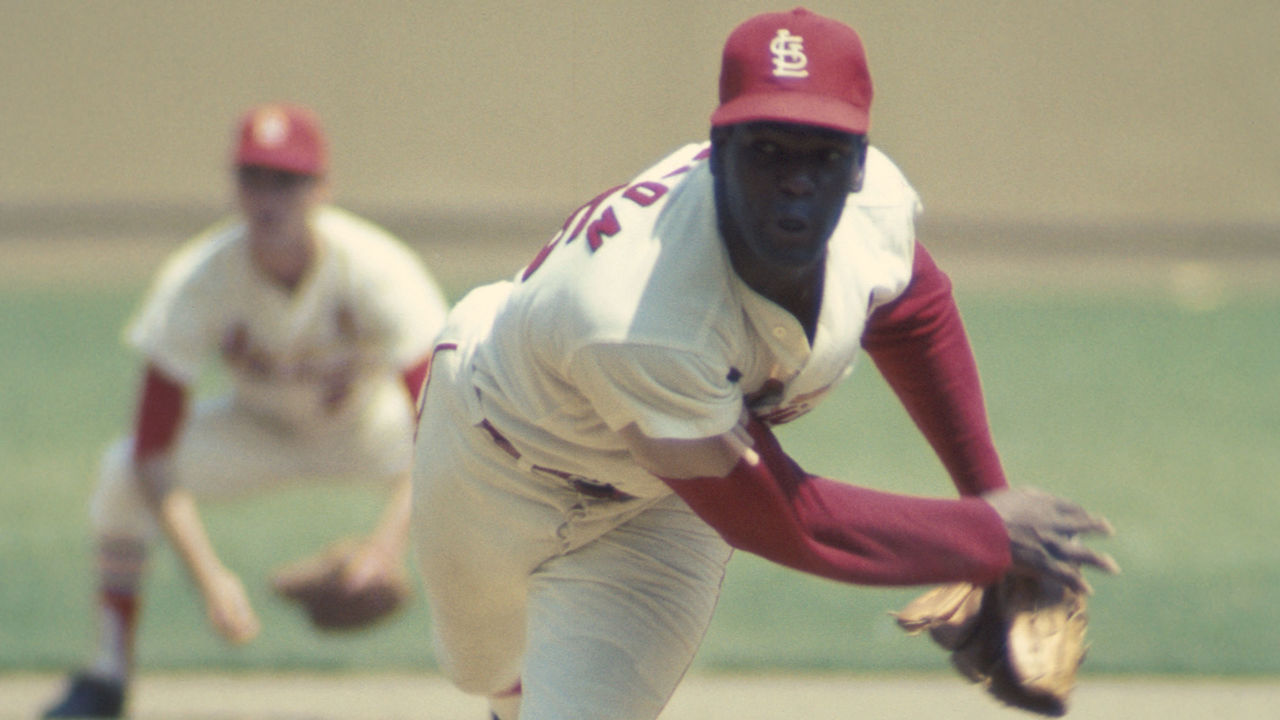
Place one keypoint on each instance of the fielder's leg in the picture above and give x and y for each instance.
(220, 453)
(100, 690)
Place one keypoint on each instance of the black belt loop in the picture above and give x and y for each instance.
(584, 485)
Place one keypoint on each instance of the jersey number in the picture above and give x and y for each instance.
(597, 223)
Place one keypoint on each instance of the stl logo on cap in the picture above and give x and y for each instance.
(270, 128)
(795, 67)
(789, 59)
(283, 137)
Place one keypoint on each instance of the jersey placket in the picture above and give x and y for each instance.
(785, 342)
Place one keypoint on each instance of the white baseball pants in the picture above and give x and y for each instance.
(225, 451)
(595, 607)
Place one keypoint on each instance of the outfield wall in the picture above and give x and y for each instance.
(1095, 112)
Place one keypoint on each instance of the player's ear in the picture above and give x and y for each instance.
(322, 191)
(859, 164)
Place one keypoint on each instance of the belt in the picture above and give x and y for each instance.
(580, 483)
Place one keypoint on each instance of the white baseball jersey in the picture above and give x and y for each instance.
(633, 314)
(366, 306)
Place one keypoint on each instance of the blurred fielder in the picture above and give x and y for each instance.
(324, 324)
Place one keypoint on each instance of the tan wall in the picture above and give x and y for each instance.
(1092, 110)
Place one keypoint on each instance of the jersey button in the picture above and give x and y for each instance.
(780, 332)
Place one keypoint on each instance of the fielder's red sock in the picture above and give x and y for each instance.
(117, 618)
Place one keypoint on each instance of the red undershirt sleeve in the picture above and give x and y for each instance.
(919, 344)
(161, 409)
(773, 509)
(163, 406)
(413, 377)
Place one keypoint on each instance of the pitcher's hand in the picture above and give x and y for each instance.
(1043, 535)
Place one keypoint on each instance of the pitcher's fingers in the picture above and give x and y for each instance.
(1073, 518)
(1069, 575)
(1071, 551)
(1038, 559)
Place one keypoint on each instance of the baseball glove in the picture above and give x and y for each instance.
(319, 584)
(1022, 639)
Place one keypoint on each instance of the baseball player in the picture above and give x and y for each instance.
(595, 434)
(324, 323)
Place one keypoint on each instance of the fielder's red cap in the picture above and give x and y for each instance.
(796, 67)
(282, 137)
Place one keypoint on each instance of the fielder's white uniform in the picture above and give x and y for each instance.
(522, 485)
(314, 374)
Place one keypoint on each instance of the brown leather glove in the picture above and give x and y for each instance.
(1022, 639)
(320, 585)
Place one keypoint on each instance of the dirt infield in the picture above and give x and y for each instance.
(701, 697)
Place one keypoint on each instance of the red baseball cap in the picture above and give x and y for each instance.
(796, 67)
(282, 137)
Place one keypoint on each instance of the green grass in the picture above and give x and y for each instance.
(1164, 420)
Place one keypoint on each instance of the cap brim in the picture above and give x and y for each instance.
(287, 162)
(793, 107)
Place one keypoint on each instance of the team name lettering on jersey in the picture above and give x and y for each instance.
(241, 354)
(597, 227)
(794, 407)
(767, 404)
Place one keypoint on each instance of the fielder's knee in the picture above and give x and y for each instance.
(118, 508)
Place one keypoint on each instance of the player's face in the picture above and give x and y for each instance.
(276, 204)
(780, 189)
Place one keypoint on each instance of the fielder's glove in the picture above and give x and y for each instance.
(321, 585)
(1021, 639)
